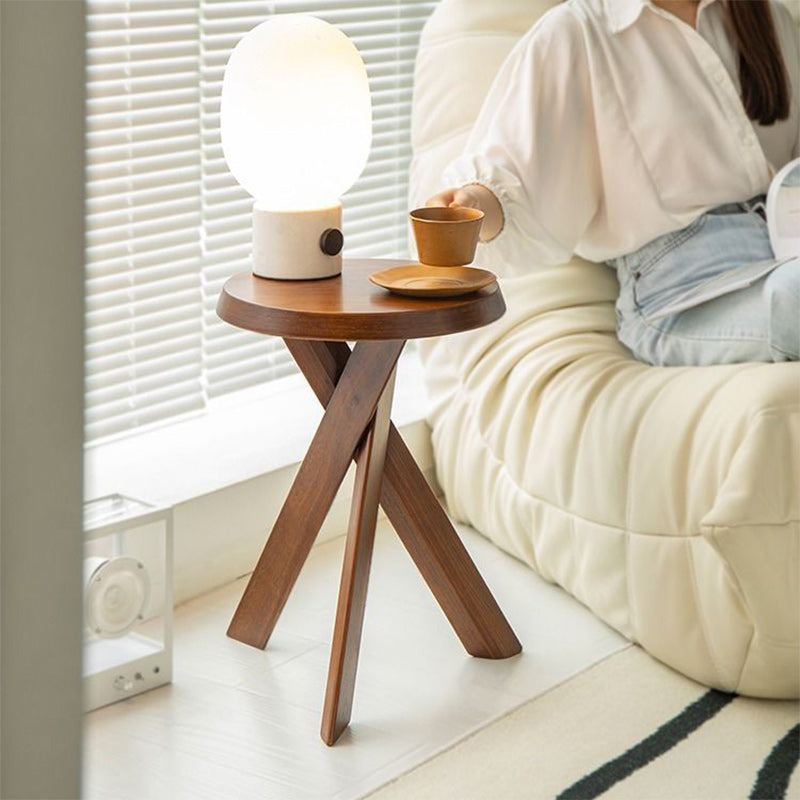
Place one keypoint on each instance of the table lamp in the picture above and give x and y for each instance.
(296, 127)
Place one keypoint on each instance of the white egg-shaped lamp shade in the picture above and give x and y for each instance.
(296, 127)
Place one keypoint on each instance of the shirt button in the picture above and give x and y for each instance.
(719, 77)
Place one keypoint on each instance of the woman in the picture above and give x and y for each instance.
(645, 133)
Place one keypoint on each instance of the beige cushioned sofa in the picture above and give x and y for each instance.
(665, 499)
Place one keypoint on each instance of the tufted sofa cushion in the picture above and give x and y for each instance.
(665, 499)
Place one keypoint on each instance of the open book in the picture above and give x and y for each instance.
(783, 223)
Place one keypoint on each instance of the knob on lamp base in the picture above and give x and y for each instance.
(297, 245)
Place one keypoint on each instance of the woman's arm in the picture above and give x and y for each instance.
(473, 195)
(531, 162)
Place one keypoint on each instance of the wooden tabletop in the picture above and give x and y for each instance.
(349, 307)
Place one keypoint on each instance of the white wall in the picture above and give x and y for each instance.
(220, 535)
(226, 472)
(41, 427)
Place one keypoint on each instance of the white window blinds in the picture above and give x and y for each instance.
(143, 321)
(167, 223)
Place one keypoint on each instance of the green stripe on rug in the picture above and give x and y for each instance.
(551, 742)
(773, 778)
(656, 744)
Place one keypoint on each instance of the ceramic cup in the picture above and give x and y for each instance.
(446, 237)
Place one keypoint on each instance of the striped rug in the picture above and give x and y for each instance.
(628, 727)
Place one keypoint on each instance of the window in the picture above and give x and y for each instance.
(167, 223)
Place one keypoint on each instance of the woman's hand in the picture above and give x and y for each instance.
(473, 195)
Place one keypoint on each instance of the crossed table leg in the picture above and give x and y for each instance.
(356, 389)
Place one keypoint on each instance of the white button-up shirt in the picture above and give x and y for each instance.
(613, 122)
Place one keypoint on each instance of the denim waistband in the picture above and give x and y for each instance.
(757, 204)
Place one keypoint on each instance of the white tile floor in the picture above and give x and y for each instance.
(243, 723)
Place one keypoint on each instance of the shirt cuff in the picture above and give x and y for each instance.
(475, 169)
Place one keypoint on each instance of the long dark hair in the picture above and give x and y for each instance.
(762, 70)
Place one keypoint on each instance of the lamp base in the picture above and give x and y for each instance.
(297, 245)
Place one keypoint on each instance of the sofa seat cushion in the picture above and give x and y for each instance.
(665, 499)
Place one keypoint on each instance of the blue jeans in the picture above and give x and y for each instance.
(760, 322)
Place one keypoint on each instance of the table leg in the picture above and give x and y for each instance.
(346, 642)
(422, 524)
(440, 556)
(351, 408)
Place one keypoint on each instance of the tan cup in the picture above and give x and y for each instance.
(446, 237)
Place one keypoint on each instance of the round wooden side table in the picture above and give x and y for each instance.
(316, 320)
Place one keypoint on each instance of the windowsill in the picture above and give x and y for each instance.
(253, 433)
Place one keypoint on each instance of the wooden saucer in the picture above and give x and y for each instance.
(420, 280)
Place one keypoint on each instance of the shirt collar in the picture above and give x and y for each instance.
(621, 14)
